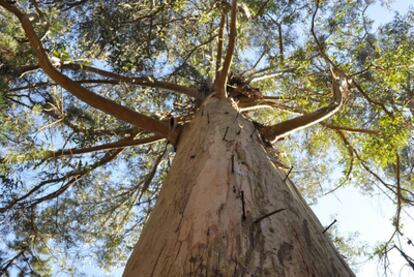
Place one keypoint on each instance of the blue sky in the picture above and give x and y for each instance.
(370, 215)
(356, 212)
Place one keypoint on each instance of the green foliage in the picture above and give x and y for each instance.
(394, 136)
(349, 247)
(176, 41)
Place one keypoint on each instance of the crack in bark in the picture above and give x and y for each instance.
(156, 261)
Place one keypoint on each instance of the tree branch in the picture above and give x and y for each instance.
(248, 104)
(3, 269)
(142, 81)
(148, 178)
(65, 120)
(351, 162)
(114, 148)
(47, 84)
(339, 87)
(125, 142)
(36, 188)
(369, 99)
(350, 129)
(321, 48)
(220, 41)
(109, 156)
(398, 194)
(264, 74)
(117, 78)
(281, 48)
(221, 81)
(122, 143)
(96, 101)
(253, 68)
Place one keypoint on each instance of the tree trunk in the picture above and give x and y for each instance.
(214, 213)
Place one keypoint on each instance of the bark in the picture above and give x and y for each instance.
(226, 210)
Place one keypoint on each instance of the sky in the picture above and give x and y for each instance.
(369, 216)
(355, 212)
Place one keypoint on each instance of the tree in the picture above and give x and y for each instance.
(98, 97)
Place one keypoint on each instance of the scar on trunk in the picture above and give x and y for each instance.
(285, 252)
(306, 233)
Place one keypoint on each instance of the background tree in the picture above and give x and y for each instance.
(81, 173)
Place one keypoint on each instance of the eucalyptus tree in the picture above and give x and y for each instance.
(177, 124)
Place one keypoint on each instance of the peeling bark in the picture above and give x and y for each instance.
(206, 220)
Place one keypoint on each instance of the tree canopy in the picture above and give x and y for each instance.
(91, 93)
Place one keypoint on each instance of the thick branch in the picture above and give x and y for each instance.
(339, 87)
(249, 104)
(96, 101)
(221, 81)
(220, 45)
(321, 51)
